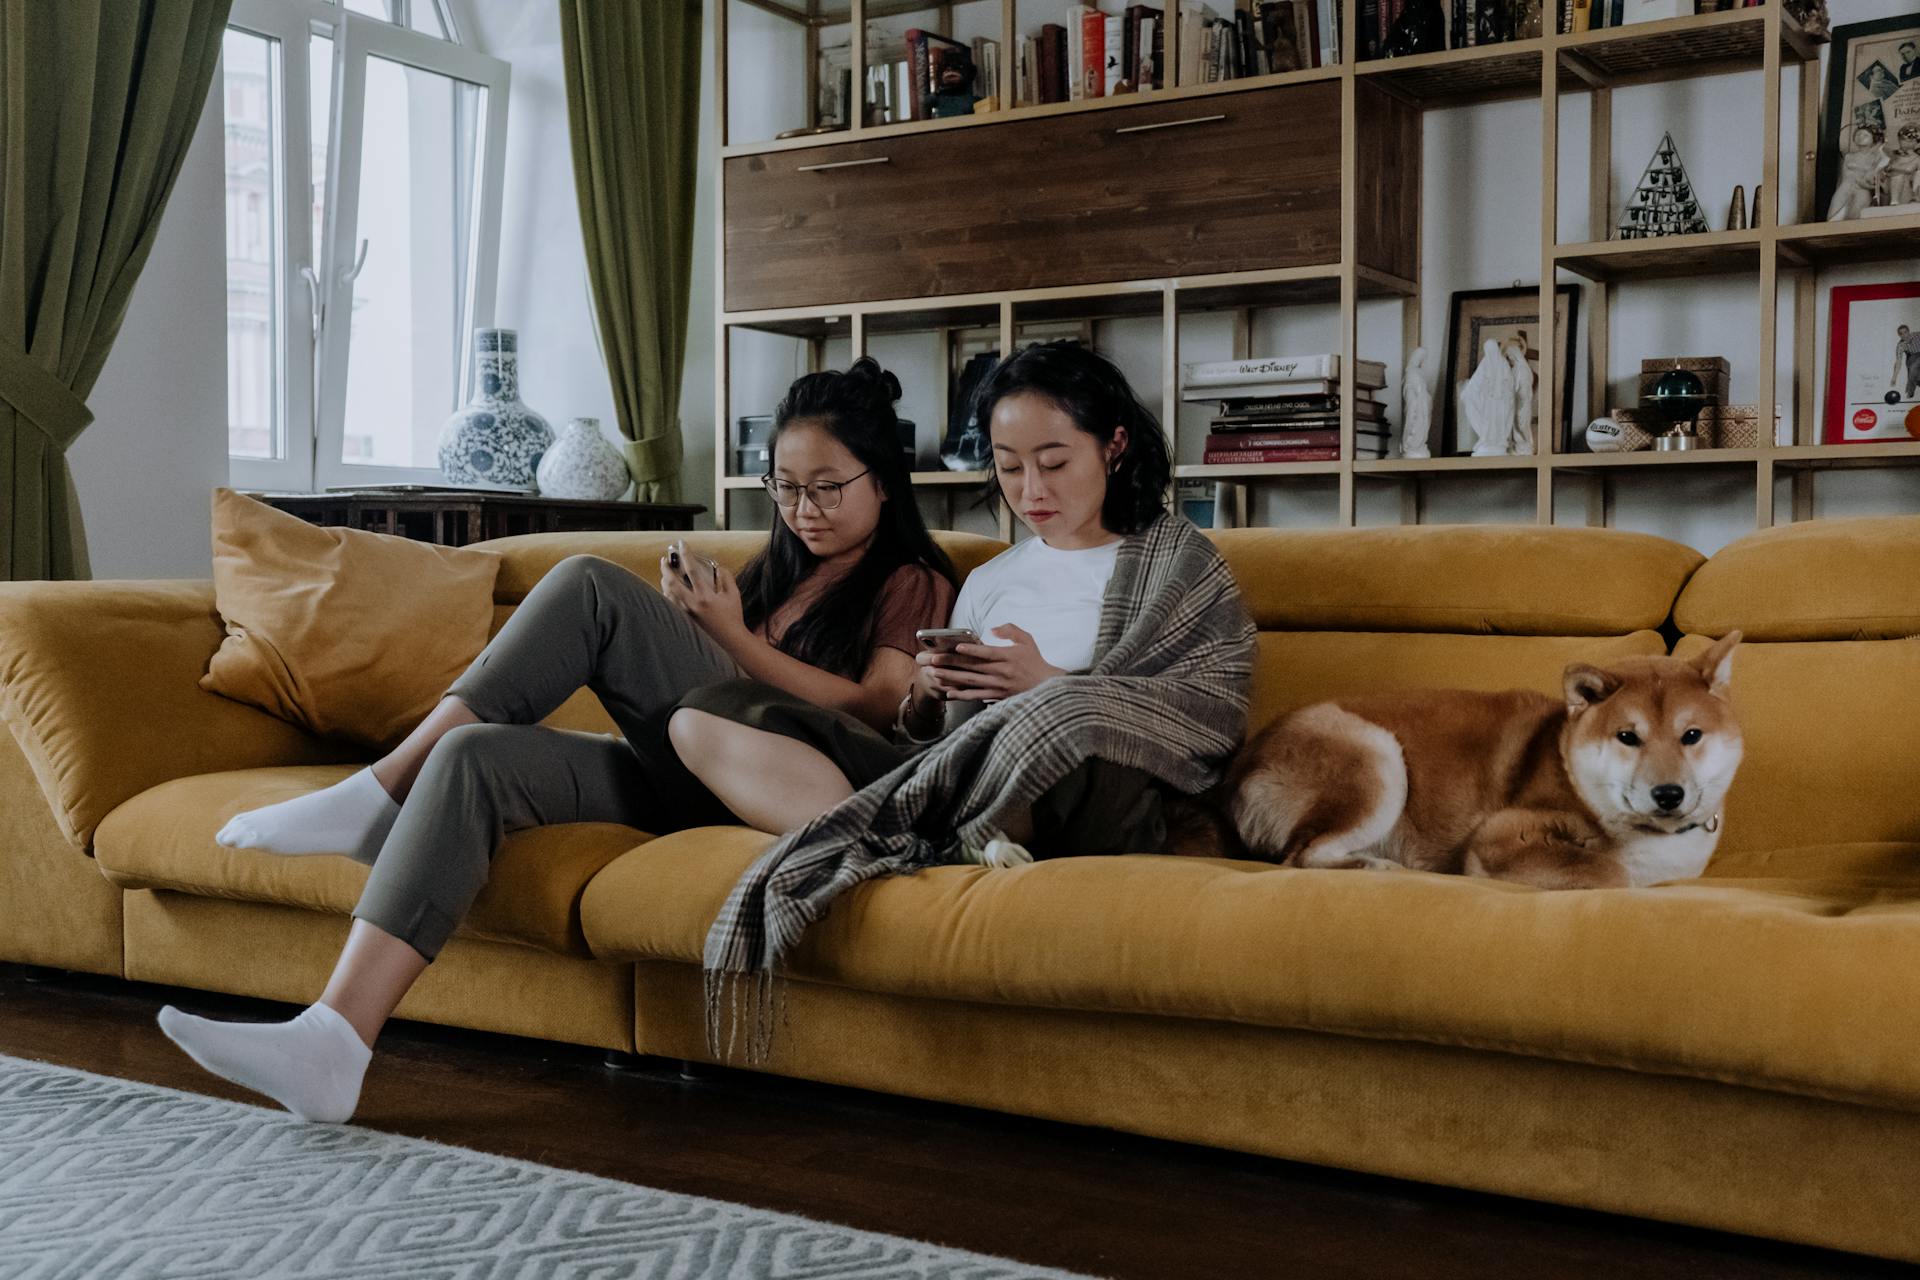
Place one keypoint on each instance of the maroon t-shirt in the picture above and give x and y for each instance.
(913, 598)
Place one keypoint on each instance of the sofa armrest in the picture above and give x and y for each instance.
(100, 685)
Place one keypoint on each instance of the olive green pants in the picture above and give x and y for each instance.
(587, 622)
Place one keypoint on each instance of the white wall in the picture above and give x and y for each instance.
(146, 468)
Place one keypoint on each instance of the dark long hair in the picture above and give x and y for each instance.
(1089, 389)
(836, 632)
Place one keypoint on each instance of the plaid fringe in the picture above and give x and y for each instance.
(1167, 694)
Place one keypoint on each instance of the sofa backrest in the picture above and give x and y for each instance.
(1350, 611)
(1340, 611)
(1826, 681)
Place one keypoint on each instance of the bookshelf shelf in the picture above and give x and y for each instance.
(1395, 467)
(1823, 244)
(1456, 77)
(1702, 254)
(1817, 457)
(1676, 48)
(1646, 458)
(949, 479)
(1256, 470)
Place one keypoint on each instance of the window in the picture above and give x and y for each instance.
(356, 275)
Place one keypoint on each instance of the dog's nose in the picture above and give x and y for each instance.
(1668, 796)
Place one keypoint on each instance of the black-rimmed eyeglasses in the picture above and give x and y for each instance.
(825, 494)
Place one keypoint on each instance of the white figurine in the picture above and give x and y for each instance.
(1859, 175)
(1486, 403)
(1416, 407)
(1516, 351)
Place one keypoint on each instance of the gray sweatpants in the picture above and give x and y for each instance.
(587, 622)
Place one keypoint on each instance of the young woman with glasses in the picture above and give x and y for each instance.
(826, 615)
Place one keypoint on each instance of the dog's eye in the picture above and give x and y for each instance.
(1629, 737)
(1690, 737)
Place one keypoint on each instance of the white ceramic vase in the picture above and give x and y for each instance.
(584, 464)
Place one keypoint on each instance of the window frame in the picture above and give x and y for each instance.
(314, 351)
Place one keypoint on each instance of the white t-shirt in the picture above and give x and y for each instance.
(1054, 596)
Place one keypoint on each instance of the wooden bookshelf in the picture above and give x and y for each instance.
(1378, 253)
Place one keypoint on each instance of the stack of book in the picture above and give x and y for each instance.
(1467, 23)
(1286, 408)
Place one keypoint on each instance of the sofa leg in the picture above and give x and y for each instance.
(32, 972)
(695, 1072)
(621, 1060)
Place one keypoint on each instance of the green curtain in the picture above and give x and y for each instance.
(98, 100)
(633, 92)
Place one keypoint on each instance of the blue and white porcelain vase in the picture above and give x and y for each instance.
(494, 439)
(584, 464)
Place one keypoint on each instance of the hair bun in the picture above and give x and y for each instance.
(872, 383)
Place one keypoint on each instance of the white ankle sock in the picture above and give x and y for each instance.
(343, 818)
(311, 1065)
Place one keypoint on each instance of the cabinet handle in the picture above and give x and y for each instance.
(838, 164)
(1169, 124)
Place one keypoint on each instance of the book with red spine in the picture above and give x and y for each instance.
(916, 41)
(1093, 54)
(1248, 457)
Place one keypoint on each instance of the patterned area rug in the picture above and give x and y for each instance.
(112, 1178)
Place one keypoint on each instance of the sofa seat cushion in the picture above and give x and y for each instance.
(1801, 982)
(163, 839)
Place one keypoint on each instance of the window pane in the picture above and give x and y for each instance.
(424, 15)
(419, 169)
(254, 273)
(372, 8)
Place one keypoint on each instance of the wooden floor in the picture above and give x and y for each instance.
(1058, 1195)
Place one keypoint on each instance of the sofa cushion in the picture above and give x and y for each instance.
(1526, 580)
(1798, 982)
(1831, 742)
(346, 633)
(1849, 579)
(163, 839)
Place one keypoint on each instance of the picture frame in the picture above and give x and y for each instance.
(1873, 83)
(1873, 368)
(1475, 315)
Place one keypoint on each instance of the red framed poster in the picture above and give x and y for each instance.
(1873, 364)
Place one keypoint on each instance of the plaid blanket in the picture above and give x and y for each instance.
(1167, 694)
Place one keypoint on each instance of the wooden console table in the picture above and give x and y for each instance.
(454, 518)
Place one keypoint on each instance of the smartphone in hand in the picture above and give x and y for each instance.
(945, 639)
(678, 558)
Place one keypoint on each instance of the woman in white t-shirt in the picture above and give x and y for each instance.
(1083, 464)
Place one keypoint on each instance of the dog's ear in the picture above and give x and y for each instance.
(1716, 664)
(1588, 685)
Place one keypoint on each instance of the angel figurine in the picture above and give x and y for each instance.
(1416, 406)
(1516, 350)
(1486, 403)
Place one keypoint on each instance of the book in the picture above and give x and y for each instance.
(1075, 81)
(1053, 63)
(1210, 373)
(917, 71)
(1093, 54)
(1113, 67)
(1316, 439)
(1582, 16)
(1194, 21)
(1250, 457)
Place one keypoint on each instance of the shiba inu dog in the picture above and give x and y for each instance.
(1621, 783)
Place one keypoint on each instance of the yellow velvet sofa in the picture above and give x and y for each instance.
(1739, 1051)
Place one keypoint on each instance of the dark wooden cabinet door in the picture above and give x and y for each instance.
(1224, 182)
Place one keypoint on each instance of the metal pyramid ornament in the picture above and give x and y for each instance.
(1664, 203)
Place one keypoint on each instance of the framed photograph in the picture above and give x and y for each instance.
(1871, 129)
(1873, 363)
(1480, 315)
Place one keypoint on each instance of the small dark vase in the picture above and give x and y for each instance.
(1422, 28)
